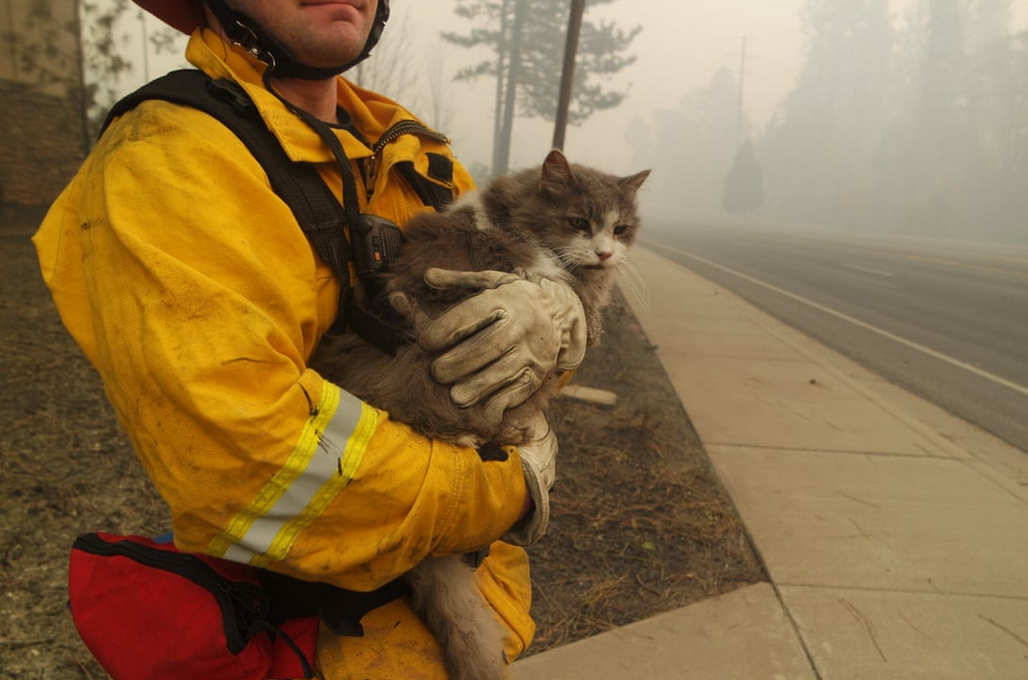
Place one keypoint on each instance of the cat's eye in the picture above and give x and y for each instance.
(580, 224)
(620, 229)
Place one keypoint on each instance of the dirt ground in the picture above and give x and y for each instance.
(640, 524)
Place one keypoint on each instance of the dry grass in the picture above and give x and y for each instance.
(640, 525)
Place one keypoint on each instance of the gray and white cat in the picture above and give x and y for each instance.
(559, 221)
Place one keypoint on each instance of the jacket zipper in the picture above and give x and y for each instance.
(185, 565)
(404, 127)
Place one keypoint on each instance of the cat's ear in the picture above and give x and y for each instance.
(556, 171)
(635, 181)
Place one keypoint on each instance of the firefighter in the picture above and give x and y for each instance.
(191, 288)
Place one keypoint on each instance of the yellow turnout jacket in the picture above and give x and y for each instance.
(191, 288)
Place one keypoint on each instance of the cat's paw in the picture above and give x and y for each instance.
(401, 303)
(472, 440)
(408, 308)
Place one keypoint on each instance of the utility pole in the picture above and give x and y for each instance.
(742, 81)
(567, 78)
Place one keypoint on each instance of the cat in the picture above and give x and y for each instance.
(560, 221)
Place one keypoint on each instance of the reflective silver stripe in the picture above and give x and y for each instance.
(324, 462)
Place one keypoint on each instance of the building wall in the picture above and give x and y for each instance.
(43, 147)
(42, 123)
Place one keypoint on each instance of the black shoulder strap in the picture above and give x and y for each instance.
(298, 184)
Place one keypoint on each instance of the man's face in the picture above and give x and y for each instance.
(324, 33)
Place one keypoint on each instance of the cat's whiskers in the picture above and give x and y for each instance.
(567, 259)
(633, 282)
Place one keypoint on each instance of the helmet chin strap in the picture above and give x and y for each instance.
(247, 33)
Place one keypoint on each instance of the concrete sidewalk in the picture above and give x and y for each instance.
(895, 534)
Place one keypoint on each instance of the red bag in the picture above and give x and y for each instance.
(147, 611)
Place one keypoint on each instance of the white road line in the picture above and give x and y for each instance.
(867, 270)
(857, 322)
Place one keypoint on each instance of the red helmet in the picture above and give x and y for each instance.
(183, 15)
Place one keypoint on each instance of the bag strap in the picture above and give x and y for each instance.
(320, 215)
(340, 610)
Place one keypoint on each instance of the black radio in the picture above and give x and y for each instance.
(376, 243)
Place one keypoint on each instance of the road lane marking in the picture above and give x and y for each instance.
(966, 265)
(868, 270)
(991, 261)
(857, 322)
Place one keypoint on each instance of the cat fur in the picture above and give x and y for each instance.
(560, 221)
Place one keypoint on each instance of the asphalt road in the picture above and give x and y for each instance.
(947, 320)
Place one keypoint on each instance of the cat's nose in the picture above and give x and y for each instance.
(604, 255)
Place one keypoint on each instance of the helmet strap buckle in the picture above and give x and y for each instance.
(245, 37)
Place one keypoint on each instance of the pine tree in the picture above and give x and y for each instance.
(526, 38)
(821, 151)
(744, 184)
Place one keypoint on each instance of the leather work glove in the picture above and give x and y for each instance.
(539, 464)
(503, 341)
